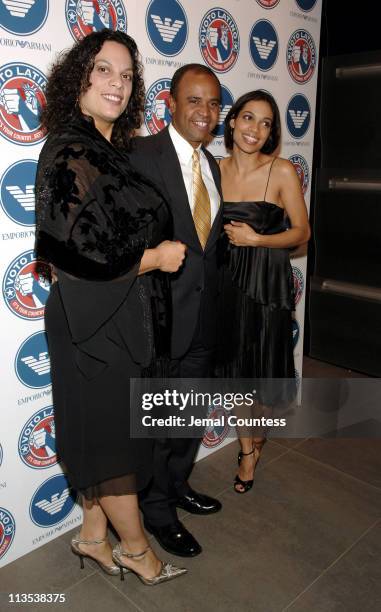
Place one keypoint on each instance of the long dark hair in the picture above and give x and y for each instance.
(258, 94)
(70, 77)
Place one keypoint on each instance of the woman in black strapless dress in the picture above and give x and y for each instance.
(264, 216)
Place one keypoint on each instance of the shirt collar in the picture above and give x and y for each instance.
(184, 150)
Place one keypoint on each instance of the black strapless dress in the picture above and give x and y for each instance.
(257, 300)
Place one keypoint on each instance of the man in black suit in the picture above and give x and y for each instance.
(169, 160)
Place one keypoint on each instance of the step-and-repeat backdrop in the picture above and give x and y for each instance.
(250, 44)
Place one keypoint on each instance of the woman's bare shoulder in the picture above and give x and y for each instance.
(283, 167)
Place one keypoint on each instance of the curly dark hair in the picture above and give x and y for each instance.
(70, 77)
(275, 132)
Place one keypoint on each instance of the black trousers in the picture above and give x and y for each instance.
(173, 458)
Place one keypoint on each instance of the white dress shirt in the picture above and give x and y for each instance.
(184, 152)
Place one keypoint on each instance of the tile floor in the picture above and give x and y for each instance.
(307, 538)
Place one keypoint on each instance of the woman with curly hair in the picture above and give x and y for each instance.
(101, 227)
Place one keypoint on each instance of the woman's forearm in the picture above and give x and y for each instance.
(291, 238)
(149, 261)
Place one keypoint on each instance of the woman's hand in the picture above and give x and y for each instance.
(170, 255)
(241, 234)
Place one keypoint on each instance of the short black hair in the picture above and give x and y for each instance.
(275, 132)
(197, 69)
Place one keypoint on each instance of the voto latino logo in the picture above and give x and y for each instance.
(37, 441)
(227, 102)
(306, 5)
(156, 111)
(7, 531)
(52, 502)
(268, 4)
(25, 288)
(216, 433)
(22, 99)
(302, 170)
(167, 26)
(32, 363)
(86, 16)
(219, 40)
(17, 192)
(23, 17)
(298, 116)
(301, 56)
(298, 283)
(263, 44)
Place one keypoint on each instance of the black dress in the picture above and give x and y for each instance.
(95, 217)
(257, 299)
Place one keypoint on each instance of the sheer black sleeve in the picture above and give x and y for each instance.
(88, 224)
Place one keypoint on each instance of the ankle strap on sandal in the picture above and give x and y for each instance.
(76, 540)
(133, 555)
(247, 454)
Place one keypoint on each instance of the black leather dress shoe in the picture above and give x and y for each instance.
(197, 503)
(174, 538)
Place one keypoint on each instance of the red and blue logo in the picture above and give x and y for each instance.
(23, 17)
(298, 116)
(219, 40)
(37, 441)
(227, 102)
(32, 363)
(17, 192)
(298, 283)
(52, 502)
(25, 287)
(263, 44)
(86, 16)
(301, 56)
(7, 531)
(302, 170)
(268, 4)
(215, 434)
(156, 111)
(167, 26)
(22, 99)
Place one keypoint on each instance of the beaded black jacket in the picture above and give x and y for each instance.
(94, 218)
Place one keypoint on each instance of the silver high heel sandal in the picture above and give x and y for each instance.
(112, 570)
(167, 572)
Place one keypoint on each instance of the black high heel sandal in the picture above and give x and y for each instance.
(247, 484)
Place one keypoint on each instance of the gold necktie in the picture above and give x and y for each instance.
(201, 208)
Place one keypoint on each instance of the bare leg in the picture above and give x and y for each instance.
(123, 512)
(94, 527)
(251, 440)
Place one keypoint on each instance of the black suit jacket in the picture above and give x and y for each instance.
(195, 286)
